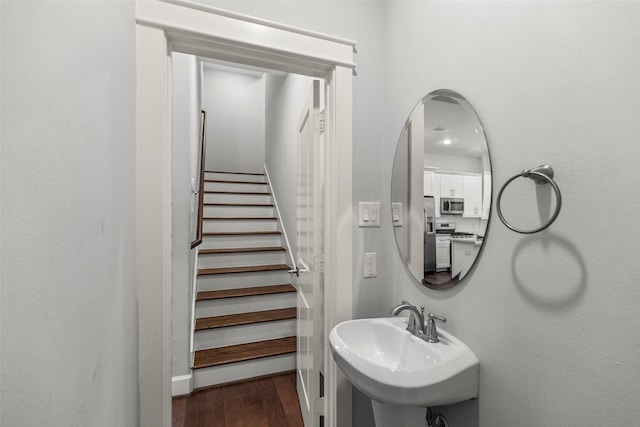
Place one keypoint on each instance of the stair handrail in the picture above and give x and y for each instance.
(200, 190)
(294, 267)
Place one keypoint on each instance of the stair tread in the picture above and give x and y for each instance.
(246, 193)
(237, 173)
(244, 292)
(241, 250)
(243, 269)
(239, 218)
(264, 205)
(230, 181)
(238, 319)
(241, 352)
(232, 233)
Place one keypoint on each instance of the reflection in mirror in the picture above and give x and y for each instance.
(441, 189)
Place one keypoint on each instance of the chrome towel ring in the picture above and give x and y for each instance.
(540, 175)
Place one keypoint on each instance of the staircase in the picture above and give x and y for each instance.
(245, 306)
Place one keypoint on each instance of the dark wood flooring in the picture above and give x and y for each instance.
(264, 402)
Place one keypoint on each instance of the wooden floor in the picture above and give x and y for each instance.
(264, 402)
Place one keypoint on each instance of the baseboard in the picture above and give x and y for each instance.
(181, 385)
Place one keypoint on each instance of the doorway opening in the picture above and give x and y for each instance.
(251, 117)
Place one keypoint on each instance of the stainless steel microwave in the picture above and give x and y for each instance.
(451, 206)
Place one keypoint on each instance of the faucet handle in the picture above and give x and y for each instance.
(431, 332)
(433, 317)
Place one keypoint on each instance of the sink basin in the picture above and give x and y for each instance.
(391, 365)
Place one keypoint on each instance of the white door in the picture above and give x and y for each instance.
(310, 254)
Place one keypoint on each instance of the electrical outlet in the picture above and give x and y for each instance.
(369, 264)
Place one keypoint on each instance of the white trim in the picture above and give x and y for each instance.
(162, 27)
(338, 235)
(264, 22)
(182, 385)
(239, 40)
(153, 226)
(284, 231)
(194, 293)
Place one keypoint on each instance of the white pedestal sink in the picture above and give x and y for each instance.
(400, 372)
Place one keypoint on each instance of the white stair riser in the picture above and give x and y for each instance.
(236, 198)
(237, 371)
(232, 186)
(212, 225)
(238, 211)
(216, 282)
(235, 177)
(240, 241)
(233, 335)
(225, 306)
(241, 259)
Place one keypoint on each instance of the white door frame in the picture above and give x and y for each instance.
(175, 25)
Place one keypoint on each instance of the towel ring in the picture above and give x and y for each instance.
(540, 175)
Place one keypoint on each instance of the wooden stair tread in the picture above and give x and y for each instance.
(230, 181)
(244, 193)
(265, 205)
(240, 218)
(240, 233)
(238, 319)
(237, 173)
(241, 250)
(244, 292)
(241, 352)
(243, 269)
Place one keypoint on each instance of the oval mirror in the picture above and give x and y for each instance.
(441, 189)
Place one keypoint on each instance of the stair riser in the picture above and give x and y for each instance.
(225, 306)
(230, 186)
(241, 259)
(237, 371)
(221, 337)
(235, 177)
(212, 225)
(236, 198)
(241, 280)
(240, 241)
(238, 211)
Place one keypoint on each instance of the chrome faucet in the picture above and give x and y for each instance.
(428, 331)
(418, 329)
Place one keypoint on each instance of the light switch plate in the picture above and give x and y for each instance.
(369, 214)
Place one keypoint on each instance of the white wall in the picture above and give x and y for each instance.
(285, 96)
(69, 327)
(552, 317)
(235, 121)
(186, 125)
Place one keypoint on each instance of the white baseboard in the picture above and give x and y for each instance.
(181, 385)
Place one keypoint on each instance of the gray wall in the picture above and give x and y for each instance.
(69, 327)
(235, 121)
(285, 96)
(551, 316)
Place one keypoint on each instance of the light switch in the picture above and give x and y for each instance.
(369, 214)
(396, 214)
